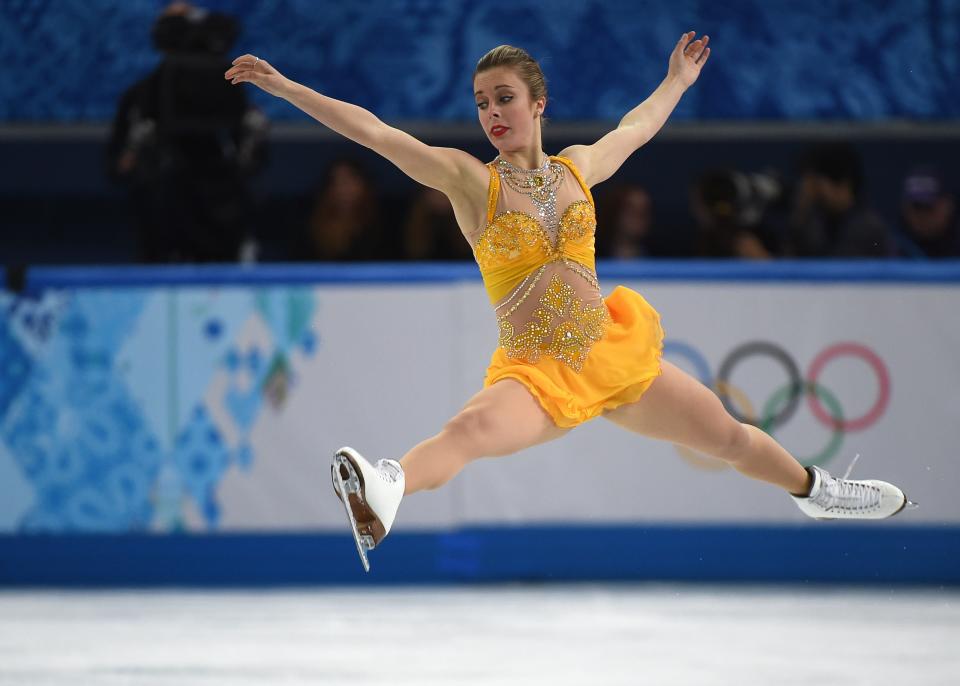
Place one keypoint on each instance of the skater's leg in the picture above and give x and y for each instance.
(499, 420)
(679, 409)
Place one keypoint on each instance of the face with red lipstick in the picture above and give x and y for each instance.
(506, 112)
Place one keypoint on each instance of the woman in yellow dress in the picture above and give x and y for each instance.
(565, 354)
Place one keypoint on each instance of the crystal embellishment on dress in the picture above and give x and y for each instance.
(565, 312)
(540, 185)
(508, 233)
(562, 327)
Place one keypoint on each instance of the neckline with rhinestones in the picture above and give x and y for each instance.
(520, 170)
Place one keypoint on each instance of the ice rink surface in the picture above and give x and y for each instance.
(660, 635)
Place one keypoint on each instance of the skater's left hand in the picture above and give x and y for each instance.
(688, 58)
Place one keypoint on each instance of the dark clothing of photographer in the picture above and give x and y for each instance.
(853, 232)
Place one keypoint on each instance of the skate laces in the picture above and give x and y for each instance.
(850, 468)
(846, 494)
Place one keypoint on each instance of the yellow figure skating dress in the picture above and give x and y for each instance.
(578, 353)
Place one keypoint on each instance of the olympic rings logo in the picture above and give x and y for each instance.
(781, 406)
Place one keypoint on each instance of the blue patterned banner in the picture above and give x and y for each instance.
(412, 59)
(121, 410)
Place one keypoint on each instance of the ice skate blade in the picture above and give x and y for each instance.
(347, 488)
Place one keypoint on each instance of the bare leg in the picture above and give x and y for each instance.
(502, 419)
(680, 409)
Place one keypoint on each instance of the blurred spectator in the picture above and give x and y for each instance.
(930, 227)
(431, 231)
(345, 221)
(829, 218)
(625, 223)
(184, 141)
(728, 221)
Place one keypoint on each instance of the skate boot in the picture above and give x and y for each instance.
(833, 498)
(370, 495)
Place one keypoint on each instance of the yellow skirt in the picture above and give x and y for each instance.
(617, 370)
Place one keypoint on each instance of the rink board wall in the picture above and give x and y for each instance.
(175, 426)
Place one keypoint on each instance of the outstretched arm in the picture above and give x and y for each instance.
(440, 168)
(598, 162)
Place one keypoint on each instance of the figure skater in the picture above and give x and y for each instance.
(565, 354)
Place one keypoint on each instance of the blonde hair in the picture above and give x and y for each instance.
(527, 68)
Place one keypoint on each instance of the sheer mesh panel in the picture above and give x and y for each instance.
(558, 309)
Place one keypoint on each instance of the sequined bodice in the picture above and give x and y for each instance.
(538, 264)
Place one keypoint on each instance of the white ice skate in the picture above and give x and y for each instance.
(370, 495)
(833, 498)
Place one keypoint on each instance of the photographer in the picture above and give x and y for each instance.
(184, 144)
(930, 228)
(729, 209)
(831, 217)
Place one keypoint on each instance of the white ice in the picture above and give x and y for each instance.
(661, 635)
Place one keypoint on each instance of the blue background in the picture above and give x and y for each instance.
(68, 60)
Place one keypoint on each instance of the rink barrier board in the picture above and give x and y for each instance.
(864, 553)
(825, 553)
(787, 271)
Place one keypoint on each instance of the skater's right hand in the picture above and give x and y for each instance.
(250, 69)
